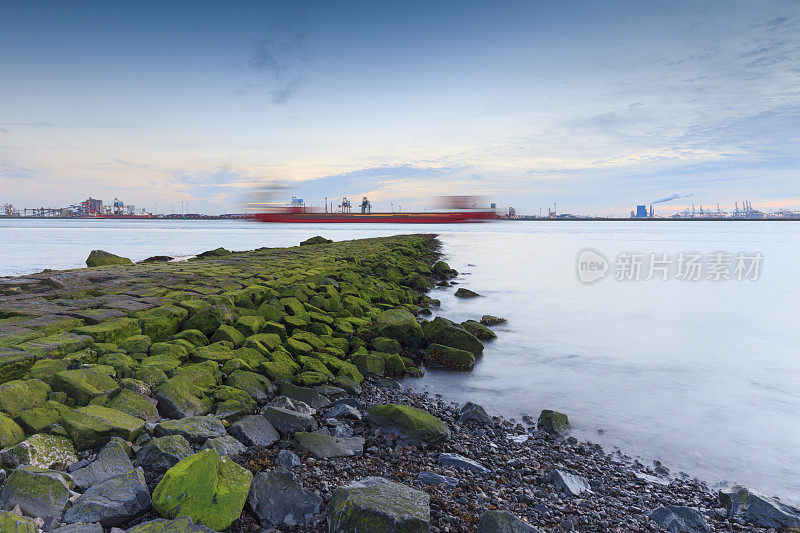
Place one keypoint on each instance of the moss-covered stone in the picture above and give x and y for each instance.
(20, 395)
(394, 366)
(370, 363)
(37, 491)
(385, 345)
(94, 425)
(209, 319)
(230, 334)
(45, 369)
(480, 331)
(99, 258)
(399, 324)
(10, 432)
(42, 451)
(377, 504)
(257, 386)
(152, 376)
(56, 346)
(414, 425)
(136, 344)
(161, 322)
(553, 422)
(249, 325)
(315, 240)
(84, 384)
(445, 332)
(14, 364)
(135, 405)
(112, 331)
(193, 336)
(219, 351)
(43, 417)
(205, 487)
(164, 362)
(439, 356)
(121, 362)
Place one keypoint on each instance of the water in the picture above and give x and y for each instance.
(704, 375)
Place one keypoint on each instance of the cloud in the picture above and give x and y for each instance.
(10, 171)
(277, 58)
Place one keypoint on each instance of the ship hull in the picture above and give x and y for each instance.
(377, 218)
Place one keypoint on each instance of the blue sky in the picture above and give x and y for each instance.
(595, 105)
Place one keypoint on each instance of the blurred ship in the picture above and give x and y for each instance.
(452, 209)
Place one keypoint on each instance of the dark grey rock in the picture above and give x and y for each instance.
(387, 384)
(288, 422)
(494, 521)
(344, 410)
(304, 394)
(758, 508)
(386, 505)
(298, 406)
(37, 491)
(472, 412)
(568, 483)
(325, 446)
(427, 477)
(356, 402)
(254, 430)
(226, 446)
(277, 499)
(459, 461)
(341, 430)
(554, 423)
(195, 429)
(162, 453)
(111, 502)
(79, 528)
(680, 519)
(112, 461)
(287, 459)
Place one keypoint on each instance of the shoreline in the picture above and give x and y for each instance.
(319, 319)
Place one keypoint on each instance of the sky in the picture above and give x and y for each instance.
(597, 106)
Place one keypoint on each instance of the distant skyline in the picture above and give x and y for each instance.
(596, 106)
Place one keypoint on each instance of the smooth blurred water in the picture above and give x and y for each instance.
(703, 375)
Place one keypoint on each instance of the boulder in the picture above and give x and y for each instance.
(325, 446)
(41, 418)
(38, 492)
(135, 405)
(84, 384)
(554, 423)
(480, 331)
(216, 252)
(440, 356)
(254, 430)
(495, 521)
(15, 364)
(209, 319)
(188, 392)
(277, 499)
(567, 483)
(287, 459)
(758, 508)
(98, 258)
(288, 422)
(474, 413)
(454, 460)
(17, 396)
(680, 519)
(195, 429)
(230, 334)
(377, 504)
(111, 331)
(344, 410)
(257, 386)
(111, 502)
(41, 450)
(304, 394)
(385, 345)
(13, 523)
(162, 453)
(399, 324)
(233, 403)
(465, 293)
(414, 425)
(182, 524)
(79, 528)
(447, 333)
(205, 487)
(112, 461)
(94, 425)
(489, 320)
(10, 432)
(226, 446)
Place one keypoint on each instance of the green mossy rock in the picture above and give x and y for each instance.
(205, 487)
(40, 418)
(219, 351)
(112, 331)
(136, 344)
(17, 396)
(385, 345)
(309, 338)
(94, 425)
(496, 521)
(150, 375)
(394, 366)
(135, 405)
(398, 324)
(216, 252)
(230, 334)
(84, 384)
(209, 319)
(270, 312)
(161, 322)
(315, 240)
(38, 492)
(188, 392)
(296, 347)
(439, 356)
(98, 258)
(12, 523)
(480, 331)
(122, 363)
(277, 329)
(377, 504)
(169, 349)
(249, 325)
(370, 363)
(263, 342)
(14, 364)
(257, 386)
(56, 346)
(194, 336)
(554, 422)
(10, 432)
(195, 429)
(414, 425)
(445, 332)
(165, 363)
(42, 451)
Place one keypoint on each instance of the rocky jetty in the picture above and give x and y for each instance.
(242, 391)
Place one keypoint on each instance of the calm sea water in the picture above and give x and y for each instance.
(703, 375)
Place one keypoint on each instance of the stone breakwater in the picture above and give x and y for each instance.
(257, 390)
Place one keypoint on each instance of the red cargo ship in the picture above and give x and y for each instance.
(297, 212)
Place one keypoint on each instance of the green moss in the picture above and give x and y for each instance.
(394, 366)
(173, 350)
(219, 351)
(17, 396)
(99, 258)
(44, 369)
(135, 405)
(370, 363)
(161, 322)
(57, 345)
(40, 418)
(111, 331)
(136, 344)
(209, 319)
(194, 336)
(94, 425)
(416, 424)
(10, 432)
(230, 334)
(439, 356)
(123, 364)
(249, 325)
